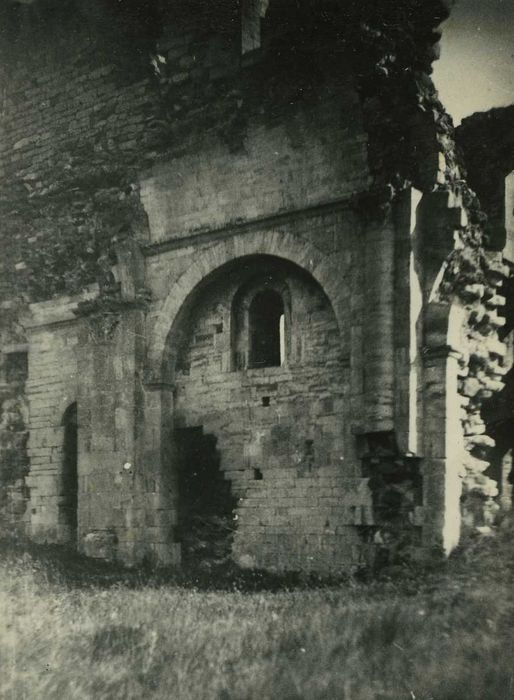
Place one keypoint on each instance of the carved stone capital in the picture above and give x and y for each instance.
(102, 326)
(103, 314)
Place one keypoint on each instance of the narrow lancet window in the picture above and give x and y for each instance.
(267, 330)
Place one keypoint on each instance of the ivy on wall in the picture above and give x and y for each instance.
(66, 243)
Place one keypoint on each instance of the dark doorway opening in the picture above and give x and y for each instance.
(206, 504)
(69, 476)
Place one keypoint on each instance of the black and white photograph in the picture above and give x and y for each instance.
(256, 349)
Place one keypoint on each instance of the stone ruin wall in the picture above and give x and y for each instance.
(90, 168)
(486, 142)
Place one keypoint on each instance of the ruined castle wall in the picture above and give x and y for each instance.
(92, 114)
(107, 112)
(176, 140)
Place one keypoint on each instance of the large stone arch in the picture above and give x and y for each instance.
(289, 247)
(155, 446)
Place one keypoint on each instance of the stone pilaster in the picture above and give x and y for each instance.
(442, 449)
(111, 482)
(155, 454)
(378, 348)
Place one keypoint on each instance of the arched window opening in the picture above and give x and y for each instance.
(252, 12)
(69, 482)
(267, 330)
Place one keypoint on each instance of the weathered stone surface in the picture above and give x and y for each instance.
(153, 181)
(487, 143)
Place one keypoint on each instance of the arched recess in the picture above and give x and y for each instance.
(268, 416)
(325, 270)
(68, 506)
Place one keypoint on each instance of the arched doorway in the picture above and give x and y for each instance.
(68, 507)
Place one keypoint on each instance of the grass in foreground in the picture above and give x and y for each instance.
(74, 630)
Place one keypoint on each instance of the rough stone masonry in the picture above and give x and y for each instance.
(249, 311)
